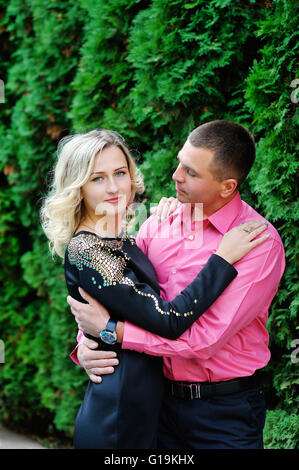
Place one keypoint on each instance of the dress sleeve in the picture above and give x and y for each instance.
(105, 273)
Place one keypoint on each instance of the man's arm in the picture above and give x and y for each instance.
(263, 291)
(248, 297)
(236, 308)
(138, 303)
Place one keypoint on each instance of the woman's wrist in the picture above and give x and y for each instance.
(226, 256)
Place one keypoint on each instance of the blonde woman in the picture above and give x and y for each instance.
(84, 218)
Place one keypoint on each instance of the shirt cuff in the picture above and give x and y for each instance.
(133, 337)
(73, 355)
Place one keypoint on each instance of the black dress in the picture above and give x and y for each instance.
(122, 412)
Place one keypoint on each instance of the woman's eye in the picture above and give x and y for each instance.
(98, 178)
(120, 173)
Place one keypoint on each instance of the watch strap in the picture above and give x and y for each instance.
(111, 325)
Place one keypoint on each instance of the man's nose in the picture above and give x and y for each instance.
(178, 174)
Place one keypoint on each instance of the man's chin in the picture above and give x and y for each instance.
(181, 197)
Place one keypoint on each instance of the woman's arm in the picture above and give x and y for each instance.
(104, 273)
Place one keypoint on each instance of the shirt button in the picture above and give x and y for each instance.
(191, 237)
(173, 271)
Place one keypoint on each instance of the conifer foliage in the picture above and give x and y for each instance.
(151, 70)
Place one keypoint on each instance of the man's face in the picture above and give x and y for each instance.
(194, 180)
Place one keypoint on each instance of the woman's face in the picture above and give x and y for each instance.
(109, 187)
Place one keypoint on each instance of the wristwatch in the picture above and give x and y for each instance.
(108, 335)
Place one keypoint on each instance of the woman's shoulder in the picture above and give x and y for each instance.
(88, 245)
(88, 251)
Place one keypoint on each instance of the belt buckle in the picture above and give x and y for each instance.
(194, 391)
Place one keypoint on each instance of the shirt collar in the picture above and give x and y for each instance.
(224, 217)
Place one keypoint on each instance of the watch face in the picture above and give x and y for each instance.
(108, 337)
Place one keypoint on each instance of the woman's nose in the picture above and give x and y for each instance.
(112, 186)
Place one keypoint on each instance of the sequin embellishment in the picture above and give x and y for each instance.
(105, 257)
(100, 255)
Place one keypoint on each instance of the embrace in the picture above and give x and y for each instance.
(172, 328)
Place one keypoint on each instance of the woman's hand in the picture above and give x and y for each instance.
(240, 240)
(92, 318)
(166, 207)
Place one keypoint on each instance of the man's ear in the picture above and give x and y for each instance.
(228, 187)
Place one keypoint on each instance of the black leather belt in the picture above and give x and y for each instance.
(191, 391)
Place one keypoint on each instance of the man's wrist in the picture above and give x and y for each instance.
(119, 331)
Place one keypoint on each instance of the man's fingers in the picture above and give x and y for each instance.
(101, 371)
(95, 378)
(73, 303)
(94, 359)
(103, 354)
(85, 295)
(96, 363)
(90, 343)
(70, 300)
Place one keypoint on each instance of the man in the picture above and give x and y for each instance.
(213, 396)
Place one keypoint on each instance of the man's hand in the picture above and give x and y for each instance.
(92, 318)
(96, 363)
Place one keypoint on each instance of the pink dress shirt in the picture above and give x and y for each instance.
(230, 340)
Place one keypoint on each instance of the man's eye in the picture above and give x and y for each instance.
(190, 173)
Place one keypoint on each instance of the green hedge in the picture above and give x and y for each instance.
(281, 430)
(152, 71)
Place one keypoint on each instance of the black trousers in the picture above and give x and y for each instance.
(234, 421)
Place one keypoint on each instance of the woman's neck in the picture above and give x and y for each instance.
(106, 227)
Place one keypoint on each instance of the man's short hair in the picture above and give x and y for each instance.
(233, 145)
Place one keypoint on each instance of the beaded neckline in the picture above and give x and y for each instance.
(113, 242)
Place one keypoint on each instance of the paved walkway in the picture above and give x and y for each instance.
(12, 440)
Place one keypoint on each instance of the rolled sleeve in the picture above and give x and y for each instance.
(133, 337)
(73, 355)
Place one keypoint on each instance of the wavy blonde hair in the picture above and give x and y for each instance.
(62, 209)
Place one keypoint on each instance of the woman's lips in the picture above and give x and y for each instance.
(113, 200)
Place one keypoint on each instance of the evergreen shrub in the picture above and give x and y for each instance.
(152, 71)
